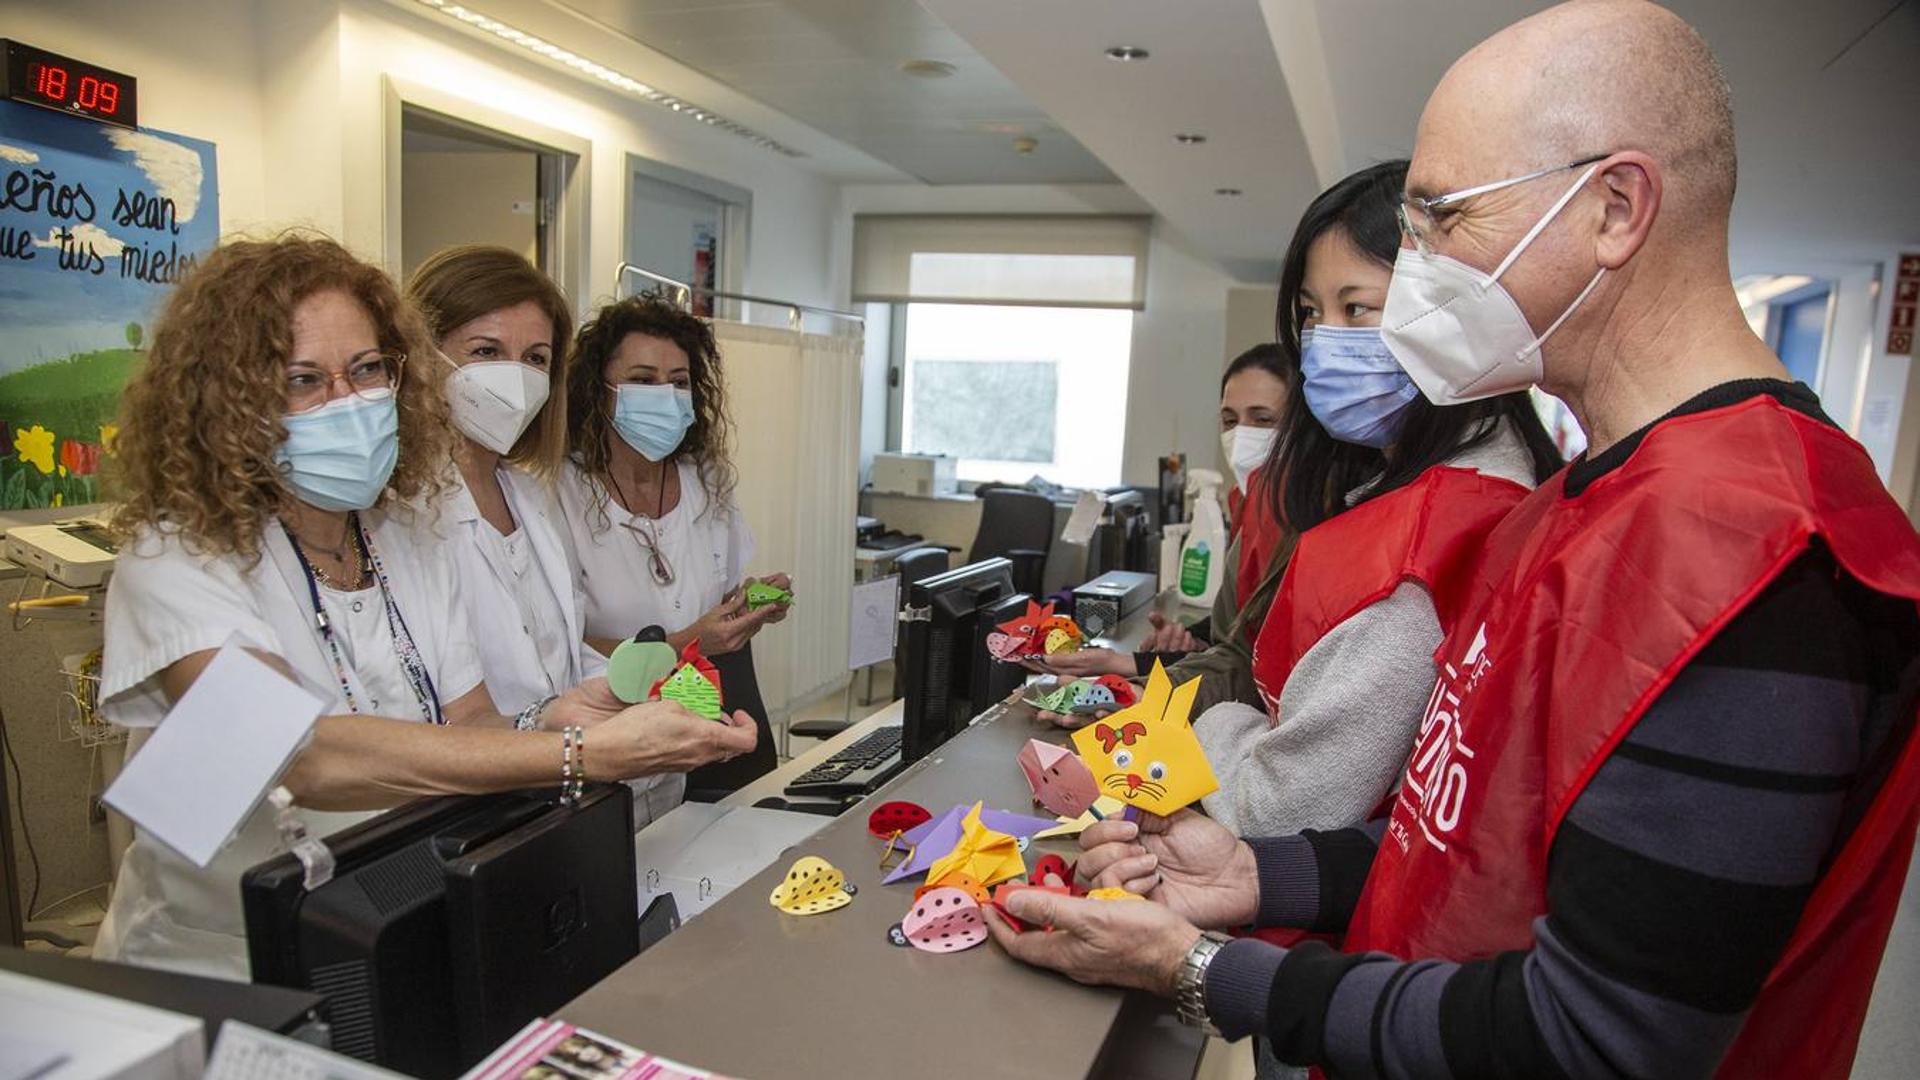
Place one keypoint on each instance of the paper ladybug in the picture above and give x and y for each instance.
(890, 819)
(944, 920)
(965, 882)
(1124, 693)
(1058, 634)
(812, 886)
(1050, 864)
(695, 684)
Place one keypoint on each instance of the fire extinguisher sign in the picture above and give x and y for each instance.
(1906, 302)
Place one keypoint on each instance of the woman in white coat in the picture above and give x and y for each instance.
(268, 447)
(648, 494)
(506, 330)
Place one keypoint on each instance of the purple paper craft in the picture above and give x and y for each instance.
(934, 840)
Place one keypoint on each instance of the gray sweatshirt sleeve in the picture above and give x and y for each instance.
(1348, 714)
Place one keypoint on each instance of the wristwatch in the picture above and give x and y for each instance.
(1190, 985)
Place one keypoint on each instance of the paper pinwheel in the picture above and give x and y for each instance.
(1147, 754)
(984, 854)
(694, 684)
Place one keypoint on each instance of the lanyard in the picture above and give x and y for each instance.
(410, 660)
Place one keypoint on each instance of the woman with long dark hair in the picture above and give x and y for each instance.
(1390, 496)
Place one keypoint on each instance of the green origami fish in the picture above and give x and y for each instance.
(760, 594)
(692, 690)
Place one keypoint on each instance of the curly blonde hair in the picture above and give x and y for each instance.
(202, 416)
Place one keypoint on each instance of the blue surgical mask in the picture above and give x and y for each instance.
(652, 419)
(340, 455)
(1354, 386)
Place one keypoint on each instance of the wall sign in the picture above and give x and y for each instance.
(96, 223)
(70, 86)
(1906, 302)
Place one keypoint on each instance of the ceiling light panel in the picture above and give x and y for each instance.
(618, 80)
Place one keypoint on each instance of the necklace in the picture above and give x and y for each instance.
(649, 537)
(349, 543)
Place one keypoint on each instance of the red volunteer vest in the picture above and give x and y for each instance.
(1260, 534)
(1428, 531)
(1587, 609)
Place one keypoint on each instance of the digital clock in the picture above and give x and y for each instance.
(51, 81)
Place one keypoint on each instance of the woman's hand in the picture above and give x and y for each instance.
(1098, 942)
(1189, 862)
(663, 737)
(779, 581)
(1169, 636)
(1085, 664)
(727, 627)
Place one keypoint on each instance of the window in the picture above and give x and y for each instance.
(1015, 392)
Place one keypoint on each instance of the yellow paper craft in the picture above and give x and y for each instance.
(1113, 894)
(1147, 753)
(1107, 806)
(982, 854)
(812, 886)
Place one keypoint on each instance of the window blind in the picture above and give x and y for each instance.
(1047, 260)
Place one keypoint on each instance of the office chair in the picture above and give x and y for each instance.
(1017, 526)
(917, 564)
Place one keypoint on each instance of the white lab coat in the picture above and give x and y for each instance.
(513, 642)
(165, 603)
(708, 548)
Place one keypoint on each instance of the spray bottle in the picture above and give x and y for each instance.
(1203, 557)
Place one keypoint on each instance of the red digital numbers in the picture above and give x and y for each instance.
(51, 83)
(93, 94)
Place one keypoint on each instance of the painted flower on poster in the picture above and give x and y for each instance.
(35, 447)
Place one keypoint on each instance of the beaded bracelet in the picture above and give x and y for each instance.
(579, 762)
(567, 736)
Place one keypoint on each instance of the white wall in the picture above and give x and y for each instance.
(1178, 341)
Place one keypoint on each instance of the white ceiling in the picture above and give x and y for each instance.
(1213, 71)
(834, 65)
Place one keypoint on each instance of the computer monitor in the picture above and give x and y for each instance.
(942, 617)
(451, 922)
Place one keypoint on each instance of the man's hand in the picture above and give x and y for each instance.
(1098, 942)
(1189, 862)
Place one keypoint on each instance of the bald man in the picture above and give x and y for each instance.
(1660, 809)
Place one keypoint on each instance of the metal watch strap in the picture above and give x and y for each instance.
(1190, 986)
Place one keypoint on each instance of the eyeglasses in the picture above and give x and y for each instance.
(1419, 217)
(657, 563)
(309, 387)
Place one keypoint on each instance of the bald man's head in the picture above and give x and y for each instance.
(1588, 78)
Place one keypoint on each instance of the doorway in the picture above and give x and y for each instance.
(460, 184)
(689, 228)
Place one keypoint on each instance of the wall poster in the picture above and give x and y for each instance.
(96, 223)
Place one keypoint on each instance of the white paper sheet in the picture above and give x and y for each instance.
(875, 612)
(1084, 519)
(217, 753)
(702, 851)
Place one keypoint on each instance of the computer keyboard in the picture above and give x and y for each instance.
(858, 770)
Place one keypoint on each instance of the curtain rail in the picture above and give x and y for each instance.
(687, 290)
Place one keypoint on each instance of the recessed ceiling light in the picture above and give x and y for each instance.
(927, 69)
(1126, 53)
(1189, 138)
(1230, 192)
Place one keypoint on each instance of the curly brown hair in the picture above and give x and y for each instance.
(202, 416)
(459, 284)
(590, 406)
